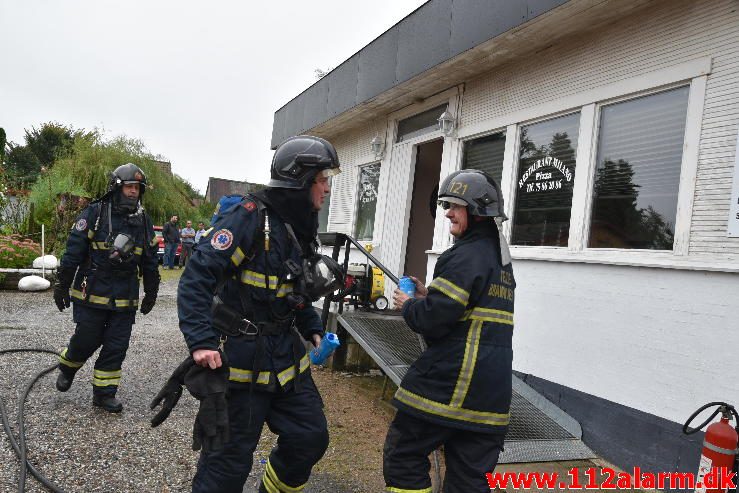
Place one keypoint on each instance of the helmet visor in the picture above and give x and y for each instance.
(446, 202)
(328, 172)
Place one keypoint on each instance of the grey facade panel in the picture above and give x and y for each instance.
(316, 105)
(434, 33)
(342, 87)
(473, 21)
(377, 62)
(423, 39)
(294, 117)
(278, 127)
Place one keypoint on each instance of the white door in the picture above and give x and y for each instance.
(398, 180)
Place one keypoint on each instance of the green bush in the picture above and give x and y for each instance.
(17, 253)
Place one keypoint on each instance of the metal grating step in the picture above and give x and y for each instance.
(539, 431)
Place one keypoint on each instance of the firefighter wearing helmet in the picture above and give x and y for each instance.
(458, 392)
(261, 260)
(110, 243)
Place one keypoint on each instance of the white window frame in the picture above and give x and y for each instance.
(694, 74)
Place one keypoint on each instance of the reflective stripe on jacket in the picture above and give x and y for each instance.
(222, 253)
(463, 379)
(101, 283)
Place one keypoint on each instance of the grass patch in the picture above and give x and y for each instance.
(170, 274)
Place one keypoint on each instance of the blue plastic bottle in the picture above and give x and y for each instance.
(407, 285)
(329, 343)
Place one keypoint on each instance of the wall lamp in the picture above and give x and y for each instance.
(377, 146)
(446, 123)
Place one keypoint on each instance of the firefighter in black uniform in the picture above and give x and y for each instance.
(111, 242)
(260, 260)
(458, 392)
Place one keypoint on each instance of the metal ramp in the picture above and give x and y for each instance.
(539, 431)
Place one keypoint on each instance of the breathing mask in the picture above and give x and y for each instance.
(121, 248)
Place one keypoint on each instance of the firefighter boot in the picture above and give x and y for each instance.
(107, 402)
(64, 379)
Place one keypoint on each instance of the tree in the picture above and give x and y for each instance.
(3, 140)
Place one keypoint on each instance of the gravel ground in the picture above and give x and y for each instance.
(83, 449)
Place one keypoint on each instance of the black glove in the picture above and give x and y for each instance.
(170, 393)
(151, 289)
(210, 431)
(147, 304)
(64, 279)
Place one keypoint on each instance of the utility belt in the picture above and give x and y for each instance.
(233, 323)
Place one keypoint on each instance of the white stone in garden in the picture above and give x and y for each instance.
(47, 261)
(33, 283)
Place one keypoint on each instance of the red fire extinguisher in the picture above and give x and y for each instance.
(719, 444)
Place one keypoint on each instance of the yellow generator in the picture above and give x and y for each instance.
(365, 287)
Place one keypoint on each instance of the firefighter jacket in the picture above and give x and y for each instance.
(249, 274)
(463, 378)
(101, 282)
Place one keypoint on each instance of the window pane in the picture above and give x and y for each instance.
(420, 124)
(369, 181)
(486, 154)
(546, 175)
(323, 213)
(640, 149)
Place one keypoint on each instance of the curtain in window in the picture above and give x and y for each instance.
(637, 177)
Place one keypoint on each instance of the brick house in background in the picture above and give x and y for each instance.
(218, 187)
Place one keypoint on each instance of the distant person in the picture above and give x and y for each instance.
(111, 242)
(458, 392)
(187, 236)
(200, 232)
(171, 234)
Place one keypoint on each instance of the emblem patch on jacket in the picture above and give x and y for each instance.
(250, 206)
(222, 239)
(81, 225)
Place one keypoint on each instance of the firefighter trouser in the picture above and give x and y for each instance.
(298, 420)
(99, 327)
(468, 456)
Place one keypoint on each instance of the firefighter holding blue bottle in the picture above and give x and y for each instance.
(245, 310)
(458, 392)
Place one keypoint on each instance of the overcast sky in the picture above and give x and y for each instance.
(198, 82)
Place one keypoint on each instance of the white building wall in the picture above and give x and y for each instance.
(659, 340)
(665, 35)
(662, 341)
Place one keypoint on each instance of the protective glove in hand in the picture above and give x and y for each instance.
(64, 278)
(147, 304)
(151, 290)
(170, 393)
(210, 431)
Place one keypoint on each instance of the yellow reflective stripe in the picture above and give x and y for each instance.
(258, 279)
(237, 257)
(468, 364)
(154, 241)
(102, 378)
(107, 374)
(268, 484)
(125, 303)
(447, 411)
(98, 245)
(207, 232)
(138, 251)
(285, 289)
(392, 489)
(68, 362)
(239, 375)
(100, 300)
(76, 293)
(90, 233)
(269, 473)
(488, 315)
(286, 375)
(450, 289)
